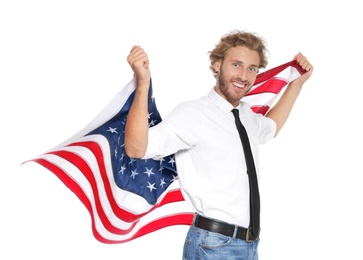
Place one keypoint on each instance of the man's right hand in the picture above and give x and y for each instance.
(137, 126)
(139, 63)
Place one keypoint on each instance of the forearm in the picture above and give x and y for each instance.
(281, 110)
(136, 129)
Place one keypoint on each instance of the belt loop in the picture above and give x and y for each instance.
(235, 231)
(194, 218)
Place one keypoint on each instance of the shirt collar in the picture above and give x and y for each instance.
(223, 104)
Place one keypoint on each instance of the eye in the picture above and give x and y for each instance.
(253, 70)
(235, 65)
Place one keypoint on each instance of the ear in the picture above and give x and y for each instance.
(217, 65)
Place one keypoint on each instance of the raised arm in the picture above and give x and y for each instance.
(281, 110)
(136, 130)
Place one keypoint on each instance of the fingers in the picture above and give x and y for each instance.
(303, 62)
(139, 63)
(138, 58)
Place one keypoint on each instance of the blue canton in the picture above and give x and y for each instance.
(147, 178)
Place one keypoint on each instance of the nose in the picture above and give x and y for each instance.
(242, 73)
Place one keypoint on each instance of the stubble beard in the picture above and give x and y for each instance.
(228, 94)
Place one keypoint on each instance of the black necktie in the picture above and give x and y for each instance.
(254, 227)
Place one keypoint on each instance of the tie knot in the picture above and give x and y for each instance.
(235, 112)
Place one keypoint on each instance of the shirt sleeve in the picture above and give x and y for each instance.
(182, 129)
(261, 128)
(268, 129)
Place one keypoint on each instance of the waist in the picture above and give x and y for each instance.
(223, 228)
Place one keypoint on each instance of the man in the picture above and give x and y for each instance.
(202, 134)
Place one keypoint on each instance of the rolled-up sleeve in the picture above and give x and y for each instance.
(182, 129)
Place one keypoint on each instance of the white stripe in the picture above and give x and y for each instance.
(133, 203)
(267, 99)
(169, 209)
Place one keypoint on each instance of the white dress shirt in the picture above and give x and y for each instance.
(209, 155)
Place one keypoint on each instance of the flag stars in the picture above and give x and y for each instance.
(149, 172)
(134, 174)
(161, 161)
(122, 170)
(161, 169)
(149, 115)
(152, 123)
(175, 177)
(122, 156)
(162, 182)
(172, 161)
(151, 186)
(132, 160)
(112, 130)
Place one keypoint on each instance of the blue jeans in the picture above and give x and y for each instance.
(201, 244)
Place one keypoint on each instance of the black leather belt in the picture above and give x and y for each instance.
(223, 228)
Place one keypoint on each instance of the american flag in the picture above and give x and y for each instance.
(126, 197)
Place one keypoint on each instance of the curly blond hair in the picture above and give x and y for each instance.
(239, 38)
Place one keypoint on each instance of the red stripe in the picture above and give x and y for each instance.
(75, 188)
(178, 219)
(97, 151)
(119, 212)
(274, 71)
(172, 196)
(87, 172)
(260, 109)
(76, 160)
(273, 85)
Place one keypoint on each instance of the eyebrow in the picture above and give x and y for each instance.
(241, 62)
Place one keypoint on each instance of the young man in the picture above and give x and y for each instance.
(203, 136)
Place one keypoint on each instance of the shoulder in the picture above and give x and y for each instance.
(246, 108)
(192, 105)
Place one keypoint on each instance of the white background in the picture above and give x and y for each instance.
(61, 62)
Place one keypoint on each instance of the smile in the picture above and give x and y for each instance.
(239, 85)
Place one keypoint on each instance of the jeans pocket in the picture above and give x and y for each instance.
(215, 240)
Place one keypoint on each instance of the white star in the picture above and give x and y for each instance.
(151, 186)
(123, 168)
(122, 155)
(162, 182)
(133, 174)
(161, 160)
(149, 172)
(161, 169)
(172, 161)
(175, 177)
(112, 130)
(152, 123)
(132, 160)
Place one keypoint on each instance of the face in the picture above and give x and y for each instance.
(236, 73)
